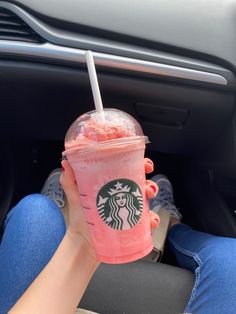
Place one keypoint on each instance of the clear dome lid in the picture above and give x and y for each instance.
(91, 129)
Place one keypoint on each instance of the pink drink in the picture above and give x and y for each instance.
(108, 162)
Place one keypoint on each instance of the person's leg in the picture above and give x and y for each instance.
(32, 232)
(212, 259)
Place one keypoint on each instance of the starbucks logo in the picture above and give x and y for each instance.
(120, 204)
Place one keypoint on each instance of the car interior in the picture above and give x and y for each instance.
(169, 64)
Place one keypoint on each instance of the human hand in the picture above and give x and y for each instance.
(151, 192)
(78, 229)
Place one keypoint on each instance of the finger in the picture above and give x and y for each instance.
(69, 185)
(148, 165)
(154, 219)
(67, 176)
(151, 189)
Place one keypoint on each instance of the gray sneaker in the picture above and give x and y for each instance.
(165, 197)
(53, 189)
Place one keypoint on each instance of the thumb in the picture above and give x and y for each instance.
(69, 185)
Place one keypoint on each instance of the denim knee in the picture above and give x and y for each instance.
(220, 259)
(39, 202)
(37, 210)
(33, 231)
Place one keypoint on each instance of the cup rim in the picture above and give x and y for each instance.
(97, 146)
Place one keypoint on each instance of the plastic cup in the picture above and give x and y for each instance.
(108, 162)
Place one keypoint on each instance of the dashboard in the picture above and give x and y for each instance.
(169, 64)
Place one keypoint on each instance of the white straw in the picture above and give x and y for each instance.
(94, 83)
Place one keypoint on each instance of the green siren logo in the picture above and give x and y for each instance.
(120, 204)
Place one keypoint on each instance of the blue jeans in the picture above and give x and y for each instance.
(35, 227)
(32, 232)
(213, 260)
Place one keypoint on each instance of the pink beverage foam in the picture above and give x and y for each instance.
(93, 170)
(94, 132)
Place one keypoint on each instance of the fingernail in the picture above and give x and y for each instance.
(149, 161)
(153, 187)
